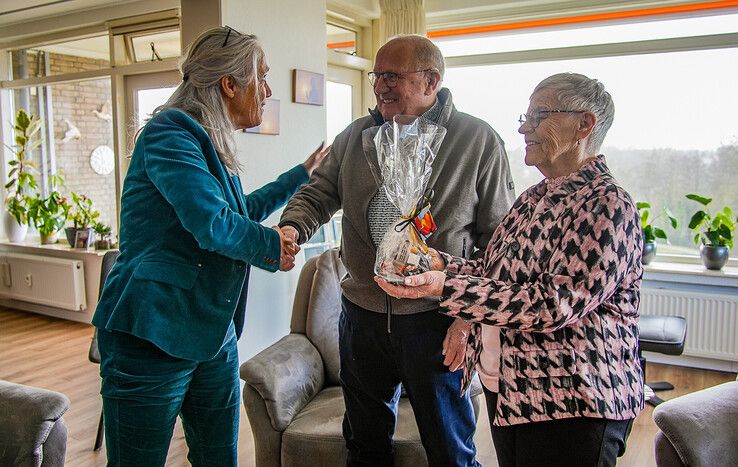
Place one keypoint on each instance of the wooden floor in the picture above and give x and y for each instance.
(52, 353)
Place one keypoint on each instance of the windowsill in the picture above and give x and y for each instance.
(34, 245)
(694, 274)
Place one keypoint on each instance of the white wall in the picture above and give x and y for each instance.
(292, 33)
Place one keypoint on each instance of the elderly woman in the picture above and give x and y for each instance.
(173, 305)
(553, 304)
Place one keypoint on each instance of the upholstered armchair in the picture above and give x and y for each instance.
(32, 430)
(698, 429)
(292, 393)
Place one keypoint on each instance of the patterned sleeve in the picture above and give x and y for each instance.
(458, 265)
(601, 246)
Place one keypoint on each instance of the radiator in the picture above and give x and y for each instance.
(712, 320)
(55, 282)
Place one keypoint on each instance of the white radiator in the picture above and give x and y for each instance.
(55, 282)
(712, 320)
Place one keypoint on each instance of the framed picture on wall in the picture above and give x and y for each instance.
(308, 87)
(269, 119)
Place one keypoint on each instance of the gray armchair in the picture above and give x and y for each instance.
(32, 430)
(698, 429)
(292, 394)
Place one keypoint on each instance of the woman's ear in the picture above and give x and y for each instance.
(433, 80)
(228, 86)
(586, 124)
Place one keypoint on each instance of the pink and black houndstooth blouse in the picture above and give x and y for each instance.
(561, 277)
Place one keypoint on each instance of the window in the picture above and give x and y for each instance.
(673, 132)
(87, 54)
(341, 39)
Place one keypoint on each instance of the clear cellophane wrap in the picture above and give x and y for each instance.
(406, 148)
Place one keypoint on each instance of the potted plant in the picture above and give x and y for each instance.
(650, 231)
(83, 217)
(49, 214)
(20, 177)
(104, 240)
(714, 233)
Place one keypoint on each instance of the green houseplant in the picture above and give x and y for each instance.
(650, 231)
(83, 217)
(713, 232)
(102, 231)
(49, 214)
(20, 177)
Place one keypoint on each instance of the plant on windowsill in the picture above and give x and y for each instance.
(49, 214)
(650, 231)
(104, 239)
(20, 177)
(83, 217)
(714, 233)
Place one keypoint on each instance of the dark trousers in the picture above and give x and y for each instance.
(374, 363)
(581, 441)
(144, 389)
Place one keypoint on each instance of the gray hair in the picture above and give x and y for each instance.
(578, 92)
(427, 53)
(209, 58)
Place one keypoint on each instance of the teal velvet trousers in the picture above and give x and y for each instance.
(145, 389)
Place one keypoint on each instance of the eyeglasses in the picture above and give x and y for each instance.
(535, 119)
(390, 77)
(230, 30)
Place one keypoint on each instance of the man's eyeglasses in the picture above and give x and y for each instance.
(390, 77)
(535, 118)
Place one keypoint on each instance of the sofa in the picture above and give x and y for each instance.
(698, 429)
(32, 430)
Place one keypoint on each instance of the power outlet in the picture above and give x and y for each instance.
(29, 280)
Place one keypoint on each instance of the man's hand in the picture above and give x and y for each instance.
(288, 250)
(291, 233)
(454, 345)
(437, 262)
(427, 284)
(314, 159)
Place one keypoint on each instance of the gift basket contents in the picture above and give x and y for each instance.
(406, 148)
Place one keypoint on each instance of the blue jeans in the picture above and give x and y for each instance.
(374, 363)
(144, 389)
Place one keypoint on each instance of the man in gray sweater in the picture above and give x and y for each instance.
(384, 341)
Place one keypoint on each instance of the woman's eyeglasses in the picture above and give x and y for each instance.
(535, 118)
(230, 30)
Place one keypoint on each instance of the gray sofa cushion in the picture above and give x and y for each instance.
(702, 426)
(324, 311)
(286, 375)
(28, 415)
(314, 438)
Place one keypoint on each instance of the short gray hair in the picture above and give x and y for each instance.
(578, 92)
(427, 53)
(209, 58)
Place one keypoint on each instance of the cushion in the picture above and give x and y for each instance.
(702, 426)
(324, 311)
(663, 334)
(315, 436)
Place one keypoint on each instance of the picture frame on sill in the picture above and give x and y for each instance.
(82, 239)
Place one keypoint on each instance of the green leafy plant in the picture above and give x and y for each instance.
(101, 229)
(82, 213)
(650, 231)
(20, 177)
(712, 230)
(49, 214)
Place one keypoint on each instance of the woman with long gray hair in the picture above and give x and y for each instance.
(553, 304)
(173, 305)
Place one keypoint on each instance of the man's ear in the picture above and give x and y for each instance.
(228, 86)
(433, 80)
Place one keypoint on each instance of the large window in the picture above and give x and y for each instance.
(673, 134)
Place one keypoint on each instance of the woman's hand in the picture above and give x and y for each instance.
(454, 345)
(288, 250)
(427, 284)
(314, 160)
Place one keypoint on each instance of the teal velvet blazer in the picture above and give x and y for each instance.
(188, 235)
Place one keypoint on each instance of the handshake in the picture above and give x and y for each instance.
(288, 238)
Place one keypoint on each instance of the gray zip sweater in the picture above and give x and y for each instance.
(473, 191)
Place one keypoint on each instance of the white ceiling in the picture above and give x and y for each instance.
(18, 11)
